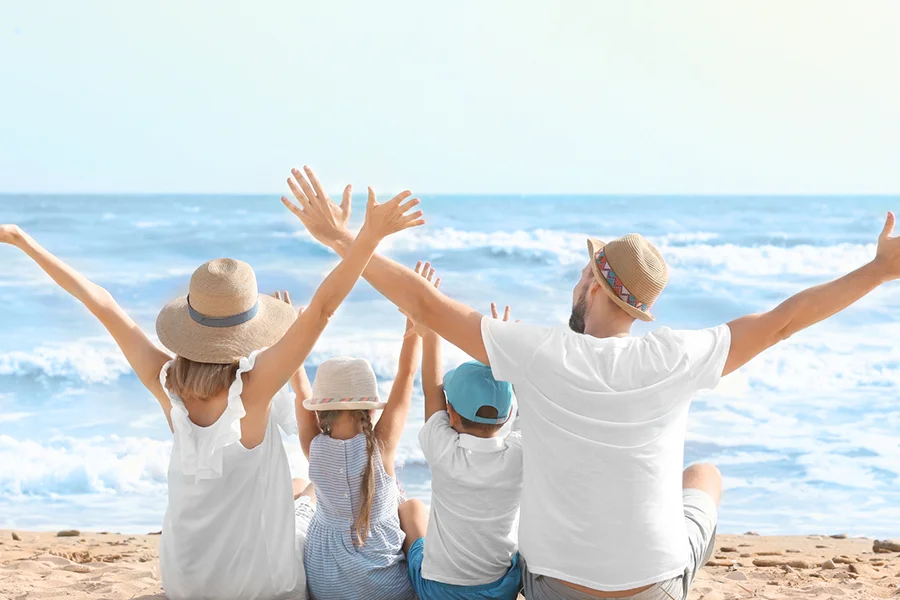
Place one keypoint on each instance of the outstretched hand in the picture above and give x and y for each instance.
(427, 273)
(9, 234)
(887, 256)
(324, 219)
(391, 217)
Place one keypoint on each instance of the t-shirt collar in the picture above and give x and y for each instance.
(479, 444)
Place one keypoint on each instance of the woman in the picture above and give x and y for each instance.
(229, 528)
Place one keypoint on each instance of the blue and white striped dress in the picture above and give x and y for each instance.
(336, 568)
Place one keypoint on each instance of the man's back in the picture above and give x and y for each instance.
(603, 424)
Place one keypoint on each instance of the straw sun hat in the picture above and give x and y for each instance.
(344, 383)
(631, 271)
(223, 318)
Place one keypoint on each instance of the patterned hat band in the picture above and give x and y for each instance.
(616, 284)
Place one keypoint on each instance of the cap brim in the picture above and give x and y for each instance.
(594, 246)
(178, 332)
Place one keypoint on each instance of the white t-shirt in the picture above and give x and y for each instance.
(604, 424)
(476, 487)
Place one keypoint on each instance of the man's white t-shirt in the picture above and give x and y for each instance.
(603, 423)
(476, 487)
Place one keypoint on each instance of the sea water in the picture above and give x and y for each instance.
(807, 435)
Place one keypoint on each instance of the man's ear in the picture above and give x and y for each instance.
(594, 289)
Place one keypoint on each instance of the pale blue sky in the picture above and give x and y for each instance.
(467, 96)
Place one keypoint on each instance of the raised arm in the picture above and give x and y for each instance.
(307, 426)
(752, 334)
(454, 321)
(390, 426)
(275, 366)
(144, 357)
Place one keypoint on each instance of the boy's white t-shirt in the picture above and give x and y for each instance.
(603, 422)
(476, 487)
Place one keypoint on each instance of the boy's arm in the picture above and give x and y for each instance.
(144, 357)
(275, 366)
(752, 334)
(432, 377)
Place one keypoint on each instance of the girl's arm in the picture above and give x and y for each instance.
(144, 357)
(432, 365)
(307, 425)
(275, 366)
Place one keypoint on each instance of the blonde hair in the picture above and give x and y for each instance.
(326, 420)
(194, 381)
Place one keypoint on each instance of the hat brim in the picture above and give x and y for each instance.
(317, 404)
(178, 332)
(594, 246)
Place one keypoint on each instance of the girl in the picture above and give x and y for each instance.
(229, 528)
(355, 546)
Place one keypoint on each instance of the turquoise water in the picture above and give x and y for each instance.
(807, 436)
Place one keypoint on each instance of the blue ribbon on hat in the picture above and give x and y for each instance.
(222, 321)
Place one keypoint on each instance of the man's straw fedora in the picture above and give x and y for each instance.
(631, 271)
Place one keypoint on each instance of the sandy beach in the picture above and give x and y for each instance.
(112, 566)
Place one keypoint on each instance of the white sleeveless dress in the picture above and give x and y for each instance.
(229, 531)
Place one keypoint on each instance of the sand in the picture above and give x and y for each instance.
(111, 566)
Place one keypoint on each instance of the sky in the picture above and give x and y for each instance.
(480, 96)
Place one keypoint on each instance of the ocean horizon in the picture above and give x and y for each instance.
(807, 435)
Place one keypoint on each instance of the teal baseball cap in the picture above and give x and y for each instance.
(472, 385)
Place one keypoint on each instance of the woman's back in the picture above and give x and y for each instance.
(337, 566)
(229, 528)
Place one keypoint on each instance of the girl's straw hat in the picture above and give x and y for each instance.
(344, 383)
(631, 271)
(223, 318)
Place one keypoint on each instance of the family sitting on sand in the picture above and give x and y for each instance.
(586, 500)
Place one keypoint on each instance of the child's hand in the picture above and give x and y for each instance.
(384, 219)
(286, 297)
(10, 234)
(506, 313)
(413, 328)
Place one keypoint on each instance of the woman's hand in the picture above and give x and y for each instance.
(391, 217)
(10, 234)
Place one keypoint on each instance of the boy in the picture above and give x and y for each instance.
(470, 547)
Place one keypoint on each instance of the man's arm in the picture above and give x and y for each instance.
(454, 321)
(752, 334)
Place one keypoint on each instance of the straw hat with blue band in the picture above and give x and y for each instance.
(223, 318)
(471, 385)
(631, 271)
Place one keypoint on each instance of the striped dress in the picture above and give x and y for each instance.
(336, 568)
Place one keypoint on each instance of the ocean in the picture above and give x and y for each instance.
(807, 435)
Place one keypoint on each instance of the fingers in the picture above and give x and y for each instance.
(437, 283)
(293, 208)
(399, 198)
(287, 297)
(430, 275)
(506, 314)
(304, 185)
(404, 208)
(320, 192)
(426, 268)
(277, 295)
(298, 191)
(494, 312)
(888, 226)
(346, 199)
(418, 268)
(411, 224)
(371, 203)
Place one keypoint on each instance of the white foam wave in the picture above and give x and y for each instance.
(88, 361)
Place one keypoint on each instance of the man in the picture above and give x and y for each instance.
(606, 511)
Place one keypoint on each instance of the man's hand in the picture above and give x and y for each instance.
(325, 220)
(10, 234)
(887, 257)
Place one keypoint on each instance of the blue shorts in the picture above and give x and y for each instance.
(505, 588)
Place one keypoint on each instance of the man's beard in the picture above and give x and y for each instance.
(576, 321)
